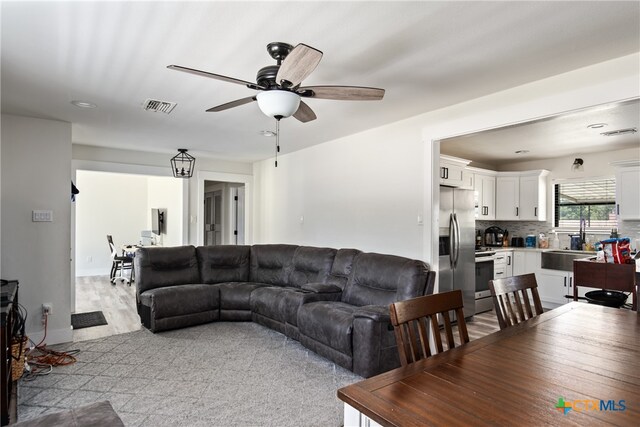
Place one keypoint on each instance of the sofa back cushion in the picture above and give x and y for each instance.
(270, 263)
(165, 266)
(223, 263)
(341, 268)
(310, 265)
(378, 279)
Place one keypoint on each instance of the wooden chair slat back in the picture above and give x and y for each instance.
(512, 297)
(421, 315)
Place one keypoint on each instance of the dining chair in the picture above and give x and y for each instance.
(412, 319)
(119, 263)
(512, 297)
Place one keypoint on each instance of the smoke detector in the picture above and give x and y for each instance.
(157, 106)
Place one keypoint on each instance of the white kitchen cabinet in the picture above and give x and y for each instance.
(533, 198)
(503, 264)
(452, 171)
(628, 193)
(518, 263)
(507, 197)
(521, 196)
(485, 196)
(467, 180)
(554, 286)
(525, 262)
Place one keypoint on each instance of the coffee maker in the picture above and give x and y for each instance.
(494, 236)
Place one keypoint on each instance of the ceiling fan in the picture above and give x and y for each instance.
(279, 85)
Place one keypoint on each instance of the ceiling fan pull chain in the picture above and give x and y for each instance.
(277, 140)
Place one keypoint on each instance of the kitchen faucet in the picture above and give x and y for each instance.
(583, 226)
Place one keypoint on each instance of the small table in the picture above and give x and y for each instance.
(553, 369)
(129, 250)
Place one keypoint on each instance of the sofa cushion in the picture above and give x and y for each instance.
(310, 265)
(270, 264)
(237, 295)
(341, 267)
(223, 263)
(181, 300)
(158, 267)
(330, 323)
(378, 279)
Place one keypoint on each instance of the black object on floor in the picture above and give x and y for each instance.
(87, 320)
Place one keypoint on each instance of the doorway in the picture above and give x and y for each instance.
(224, 213)
(122, 205)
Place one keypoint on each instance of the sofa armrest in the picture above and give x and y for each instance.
(321, 288)
(377, 313)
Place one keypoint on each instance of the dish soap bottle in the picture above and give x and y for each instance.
(556, 242)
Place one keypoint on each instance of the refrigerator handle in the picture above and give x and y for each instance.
(452, 238)
(457, 231)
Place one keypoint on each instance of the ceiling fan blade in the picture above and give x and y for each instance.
(232, 104)
(214, 76)
(342, 93)
(298, 64)
(304, 113)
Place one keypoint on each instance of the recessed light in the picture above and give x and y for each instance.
(597, 125)
(522, 151)
(267, 133)
(83, 104)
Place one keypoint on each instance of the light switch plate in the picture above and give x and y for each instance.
(42, 216)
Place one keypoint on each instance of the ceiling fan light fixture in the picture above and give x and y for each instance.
(278, 103)
(577, 165)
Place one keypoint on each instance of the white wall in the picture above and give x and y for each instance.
(166, 193)
(108, 203)
(117, 160)
(366, 190)
(36, 174)
(363, 191)
(120, 205)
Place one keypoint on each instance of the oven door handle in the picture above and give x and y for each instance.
(485, 259)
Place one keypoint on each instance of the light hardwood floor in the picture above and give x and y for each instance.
(118, 303)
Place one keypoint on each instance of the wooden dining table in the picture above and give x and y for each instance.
(576, 365)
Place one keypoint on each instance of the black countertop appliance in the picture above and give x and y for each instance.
(494, 236)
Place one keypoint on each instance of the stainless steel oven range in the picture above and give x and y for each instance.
(484, 273)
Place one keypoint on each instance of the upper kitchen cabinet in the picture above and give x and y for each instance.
(485, 196)
(521, 196)
(628, 190)
(453, 172)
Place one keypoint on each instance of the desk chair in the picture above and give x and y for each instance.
(420, 314)
(512, 301)
(119, 263)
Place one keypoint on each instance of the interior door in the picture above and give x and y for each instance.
(213, 218)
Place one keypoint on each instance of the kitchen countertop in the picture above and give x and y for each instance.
(513, 248)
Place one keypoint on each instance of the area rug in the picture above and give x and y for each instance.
(219, 374)
(87, 320)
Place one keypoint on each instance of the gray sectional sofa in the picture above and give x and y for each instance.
(333, 301)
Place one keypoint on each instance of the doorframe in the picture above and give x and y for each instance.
(203, 176)
(124, 168)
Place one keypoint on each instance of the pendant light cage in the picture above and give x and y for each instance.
(183, 164)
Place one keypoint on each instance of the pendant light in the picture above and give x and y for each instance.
(183, 164)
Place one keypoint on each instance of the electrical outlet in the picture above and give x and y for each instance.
(89, 259)
(47, 309)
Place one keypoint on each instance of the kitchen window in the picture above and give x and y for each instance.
(592, 200)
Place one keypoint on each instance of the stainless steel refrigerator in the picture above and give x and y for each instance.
(457, 245)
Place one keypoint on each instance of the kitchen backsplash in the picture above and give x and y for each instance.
(630, 229)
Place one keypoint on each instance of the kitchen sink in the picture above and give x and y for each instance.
(563, 259)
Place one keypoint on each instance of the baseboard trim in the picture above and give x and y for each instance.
(92, 272)
(54, 336)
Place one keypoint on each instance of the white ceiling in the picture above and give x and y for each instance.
(426, 55)
(559, 136)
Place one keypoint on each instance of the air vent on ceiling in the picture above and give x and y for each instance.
(619, 132)
(157, 106)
